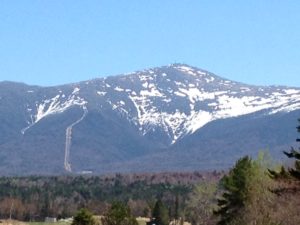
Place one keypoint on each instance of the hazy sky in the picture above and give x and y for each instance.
(49, 42)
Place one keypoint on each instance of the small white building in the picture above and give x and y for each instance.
(50, 220)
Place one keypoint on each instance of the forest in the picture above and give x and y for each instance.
(35, 197)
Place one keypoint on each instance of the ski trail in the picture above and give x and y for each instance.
(67, 163)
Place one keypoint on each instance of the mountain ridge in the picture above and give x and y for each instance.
(137, 71)
(156, 108)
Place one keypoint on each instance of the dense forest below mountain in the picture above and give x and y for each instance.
(35, 197)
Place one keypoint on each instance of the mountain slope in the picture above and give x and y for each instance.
(120, 123)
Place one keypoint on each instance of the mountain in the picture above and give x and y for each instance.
(174, 117)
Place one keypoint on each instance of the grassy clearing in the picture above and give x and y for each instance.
(142, 220)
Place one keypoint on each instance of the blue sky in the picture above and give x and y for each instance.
(62, 41)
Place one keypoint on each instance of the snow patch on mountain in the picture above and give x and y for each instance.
(101, 93)
(118, 89)
(54, 105)
(187, 70)
(216, 103)
(196, 120)
(76, 90)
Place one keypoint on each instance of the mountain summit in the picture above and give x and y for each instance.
(174, 117)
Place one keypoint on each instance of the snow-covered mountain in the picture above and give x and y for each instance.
(114, 123)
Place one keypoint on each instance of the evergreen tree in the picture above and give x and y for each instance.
(287, 189)
(235, 191)
(119, 214)
(176, 213)
(83, 217)
(160, 213)
(295, 172)
(292, 172)
(246, 199)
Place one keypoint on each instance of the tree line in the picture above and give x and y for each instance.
(35, 197)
